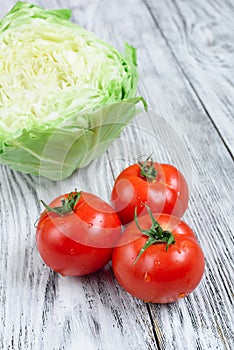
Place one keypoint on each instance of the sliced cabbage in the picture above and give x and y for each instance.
(65, 95)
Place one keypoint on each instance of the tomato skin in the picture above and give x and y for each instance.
(80, 242)
(167, 194)
(159, 276)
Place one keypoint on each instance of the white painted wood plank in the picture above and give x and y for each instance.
(41, 310)
(200, 35)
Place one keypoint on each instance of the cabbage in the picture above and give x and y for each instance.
(65, 95)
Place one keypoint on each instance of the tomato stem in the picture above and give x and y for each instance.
(155, 233)
(147, 170)
(68, 204)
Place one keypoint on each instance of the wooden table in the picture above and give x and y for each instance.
(186, 56)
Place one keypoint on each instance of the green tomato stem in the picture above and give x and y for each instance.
(155, 233)
(147, 170)
(67, 206)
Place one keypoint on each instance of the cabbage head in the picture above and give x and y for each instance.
(65, 94)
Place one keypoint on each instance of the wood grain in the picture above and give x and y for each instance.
(189, 90)
(200, 37)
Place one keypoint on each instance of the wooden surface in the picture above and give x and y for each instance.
(186, 65)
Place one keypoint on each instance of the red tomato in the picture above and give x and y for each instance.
(161, 186)
(158, 272)
(76, 233)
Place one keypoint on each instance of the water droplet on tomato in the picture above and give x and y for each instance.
(181, 295)
(90, 224)
(72, 251)
(147, 277)
(60, 222)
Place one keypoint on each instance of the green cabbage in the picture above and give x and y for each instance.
(65, 95)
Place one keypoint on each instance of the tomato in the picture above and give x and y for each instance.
(76, 233)
(161, 186)
(158, 259)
